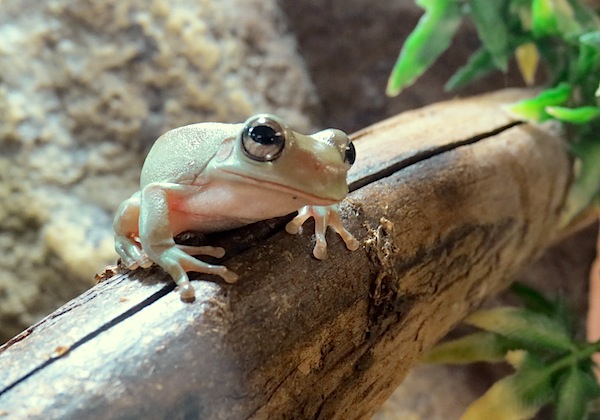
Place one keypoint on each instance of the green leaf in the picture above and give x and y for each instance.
(430, 38)
(533, 299)
(530, 329)
(517, 396)
(573, 395)
(516, 358)
(553, 17)
(581, 115)
(544, 18)
(565, 17)
(591, 39)
(528, 58)
(478, 347)
(534, 109)
(588, 58)
(563, 315)
(480, 63)
(490, 20)
(590, 383)
(521, 9)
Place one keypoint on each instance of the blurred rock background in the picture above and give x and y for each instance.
(86, 87)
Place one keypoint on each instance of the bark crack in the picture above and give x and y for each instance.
(427, 154)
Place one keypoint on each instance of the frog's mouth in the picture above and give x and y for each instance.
(312, 199)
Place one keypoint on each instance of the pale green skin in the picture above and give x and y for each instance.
(197, 178)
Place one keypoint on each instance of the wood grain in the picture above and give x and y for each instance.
(449, 202)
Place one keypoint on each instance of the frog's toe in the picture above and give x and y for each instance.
(320, 251)
(186, 291)
(229, 276)
(294, 225)
(129, 262)
(352, 243)
(203, 267)
(335, 222)
(130, 253)
(133, 262)
(145, 263)
(213, 251)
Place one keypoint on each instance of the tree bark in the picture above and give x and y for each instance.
(449, 202)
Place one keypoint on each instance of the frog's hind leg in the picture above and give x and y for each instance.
(125, 226)
(156, 237)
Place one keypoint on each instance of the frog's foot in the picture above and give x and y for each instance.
(177, 262)
(132, 256)
(213, 251)
(324, 216)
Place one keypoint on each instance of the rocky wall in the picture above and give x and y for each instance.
(85, 88)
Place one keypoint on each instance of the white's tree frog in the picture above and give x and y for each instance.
(211, 176)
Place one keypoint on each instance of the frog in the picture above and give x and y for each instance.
(210, 177)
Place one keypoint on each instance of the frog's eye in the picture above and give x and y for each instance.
(350, 154)
(263, 139)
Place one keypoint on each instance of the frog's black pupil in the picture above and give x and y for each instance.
(263, 140)
(263, 134)
(350, 156)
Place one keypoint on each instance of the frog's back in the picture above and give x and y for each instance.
(181, 154)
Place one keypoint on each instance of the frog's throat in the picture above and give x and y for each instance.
(310, 198)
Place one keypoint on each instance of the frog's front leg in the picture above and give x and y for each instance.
(324, 216)
(156, 236)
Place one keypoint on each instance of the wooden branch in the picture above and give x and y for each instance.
(450, 201)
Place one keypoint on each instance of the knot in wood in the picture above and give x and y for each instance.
(382, 252)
